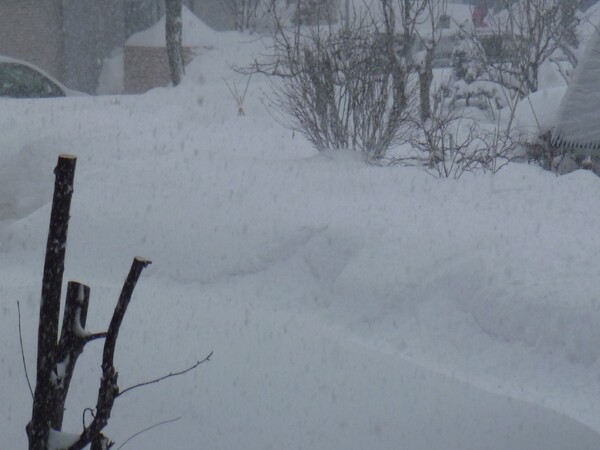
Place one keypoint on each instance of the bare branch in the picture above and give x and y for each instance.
(164, 422)
(109, 389)
(172, 374)
(342, 88)
(22, 351)
(239, 98)
(93, 336)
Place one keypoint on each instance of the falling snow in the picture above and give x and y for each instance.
(348, 306)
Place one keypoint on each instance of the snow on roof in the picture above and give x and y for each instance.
(579, 109)
(195, 33)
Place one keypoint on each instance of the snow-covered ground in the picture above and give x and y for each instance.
(348, 306)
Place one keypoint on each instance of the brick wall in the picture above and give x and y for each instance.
(148, 67)
(31, 30)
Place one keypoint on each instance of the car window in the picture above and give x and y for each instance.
(19, 81)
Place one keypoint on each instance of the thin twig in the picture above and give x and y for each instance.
(23, 351)
(246, 89)
(231, 91)
(164, 422)
(172, 374)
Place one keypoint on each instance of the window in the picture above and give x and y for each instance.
(19, 81)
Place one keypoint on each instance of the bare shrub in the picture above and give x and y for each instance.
(449, 144)
(343, 88)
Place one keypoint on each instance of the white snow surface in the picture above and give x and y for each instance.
(348, 306)
(537, 113)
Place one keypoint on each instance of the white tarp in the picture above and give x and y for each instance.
(578, 125)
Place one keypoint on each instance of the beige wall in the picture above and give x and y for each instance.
(31, 30)
(148, 67)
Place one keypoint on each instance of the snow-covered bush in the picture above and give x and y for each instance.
(449, 143)
(466, 65)
(470, 85)
(315, 12)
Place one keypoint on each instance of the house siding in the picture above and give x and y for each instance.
(32, 30)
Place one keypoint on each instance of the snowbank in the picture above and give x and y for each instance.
(348, 306)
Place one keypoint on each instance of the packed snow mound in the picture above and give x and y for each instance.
(24, 177)
(348, 306)
(195, 33)
(537, 113)
(577, 126)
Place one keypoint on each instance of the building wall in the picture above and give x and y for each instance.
(92, 30)
(32, 30)
(148, 67)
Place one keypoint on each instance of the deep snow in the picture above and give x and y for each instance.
(348, 306)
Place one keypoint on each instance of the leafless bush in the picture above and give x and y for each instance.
(343, 88)
(449, 144)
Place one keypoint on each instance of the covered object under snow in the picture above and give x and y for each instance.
(578, 125)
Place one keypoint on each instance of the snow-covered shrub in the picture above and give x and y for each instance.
(315, 12)
(470, 85)
(466, 65)
(449, 143)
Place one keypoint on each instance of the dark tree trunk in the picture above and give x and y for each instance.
(54, 265)
(425, 79)
(174, 36)
(70, 345)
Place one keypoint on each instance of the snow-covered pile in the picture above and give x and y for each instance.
(195, 33)
(577, 125)
(348, 306)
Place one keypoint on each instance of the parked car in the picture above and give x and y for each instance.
(20, 79)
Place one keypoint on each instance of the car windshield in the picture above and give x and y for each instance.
(20, 81)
